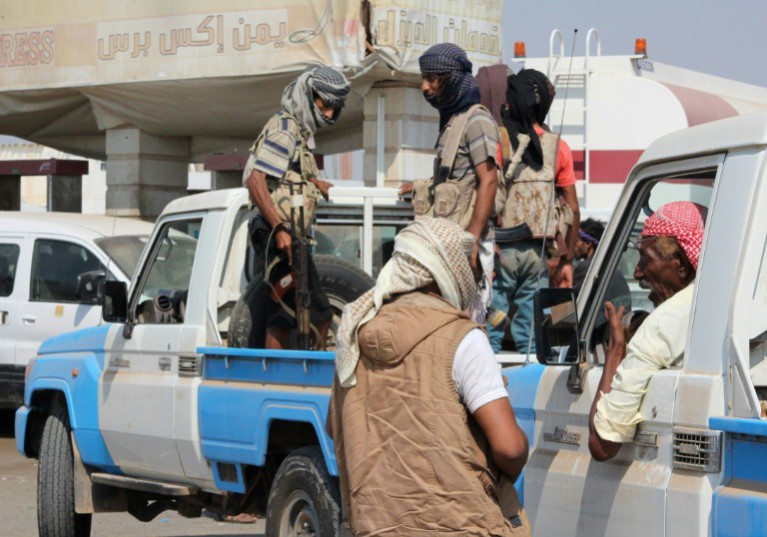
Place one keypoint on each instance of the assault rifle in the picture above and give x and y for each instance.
(300, 264)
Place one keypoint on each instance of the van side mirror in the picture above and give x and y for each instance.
(89, 285)
(114, 308)
(557, 341)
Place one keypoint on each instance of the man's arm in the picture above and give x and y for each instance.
(480, 386)
(486, 187)
(563, 274)
(508, 443)
(260, 195)
(600, 448)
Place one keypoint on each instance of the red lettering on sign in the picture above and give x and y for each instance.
(33, 55)
(6, 49)
(27, 48)
(48, 41)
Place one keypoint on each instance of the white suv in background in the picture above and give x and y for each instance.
(44, 288)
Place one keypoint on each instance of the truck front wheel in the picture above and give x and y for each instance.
(304, 499)
(56, 515)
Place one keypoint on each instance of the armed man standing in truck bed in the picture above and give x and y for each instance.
(540, 205)
(463, 186)
(282, 155)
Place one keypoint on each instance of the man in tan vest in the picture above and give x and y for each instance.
(425, 436)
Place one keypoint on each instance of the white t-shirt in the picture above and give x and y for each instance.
(476, 372)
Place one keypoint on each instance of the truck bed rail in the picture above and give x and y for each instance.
(302, 368)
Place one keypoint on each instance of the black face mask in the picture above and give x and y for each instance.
(432, 99)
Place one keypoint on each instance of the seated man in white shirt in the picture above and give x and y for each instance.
(669, 249)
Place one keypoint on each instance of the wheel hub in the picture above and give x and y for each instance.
(299, 519)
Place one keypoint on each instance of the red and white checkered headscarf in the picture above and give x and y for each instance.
(682, 220)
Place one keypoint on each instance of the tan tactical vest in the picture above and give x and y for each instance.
(530, 192)
(412, 460)
(305, 192)
(441, 195)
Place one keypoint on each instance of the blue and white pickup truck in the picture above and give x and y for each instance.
(156, 412)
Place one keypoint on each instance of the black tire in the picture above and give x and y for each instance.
(56, 515)
(304, 499)
(342, 281)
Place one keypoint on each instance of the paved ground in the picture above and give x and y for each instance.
(18, 515)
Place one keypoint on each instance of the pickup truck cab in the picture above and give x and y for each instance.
(695, 466)
(45, 259)
(164, 415)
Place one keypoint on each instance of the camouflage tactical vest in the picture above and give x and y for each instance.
(530, 192)
(306, 193)
(443, 196)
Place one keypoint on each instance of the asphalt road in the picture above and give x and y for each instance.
(18, 504)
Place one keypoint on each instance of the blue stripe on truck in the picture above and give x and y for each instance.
(739, 505)
(523, 381)
(245, 390)
(59, 357)
(235, 420)
(302, 368)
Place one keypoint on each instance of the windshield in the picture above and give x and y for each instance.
(124, 251)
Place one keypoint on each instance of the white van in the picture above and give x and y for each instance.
(43, 257)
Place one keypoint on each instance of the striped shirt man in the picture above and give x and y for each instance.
(279, 152)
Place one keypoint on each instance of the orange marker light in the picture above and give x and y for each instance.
(75, 373)
(519, 49)
(640, 46)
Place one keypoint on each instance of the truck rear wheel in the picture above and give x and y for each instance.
(304, 499)
(56, 515)
(342, 281)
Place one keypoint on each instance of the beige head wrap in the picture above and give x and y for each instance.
(428, 250)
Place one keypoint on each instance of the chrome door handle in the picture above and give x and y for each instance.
(29, 319)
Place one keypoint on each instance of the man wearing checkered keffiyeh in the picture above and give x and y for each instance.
(283, 150)
(669, 249)
(449, 86)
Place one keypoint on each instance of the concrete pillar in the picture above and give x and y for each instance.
(144, 172)
(65, 193)
(411, 127)
(10, 193)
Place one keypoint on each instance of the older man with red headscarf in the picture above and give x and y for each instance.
(669, 248)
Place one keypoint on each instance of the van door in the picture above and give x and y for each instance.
(566, 491)
(13, 287)
(136, 396)
(54, 305)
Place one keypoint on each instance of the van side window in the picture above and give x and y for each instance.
(696, 187)
(56, 267)
(9, 258)
(165, 284)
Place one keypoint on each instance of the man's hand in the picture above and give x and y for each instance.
(405, 189)
(562, 275)
(284, 242)
(474, 261)
(323, 186)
